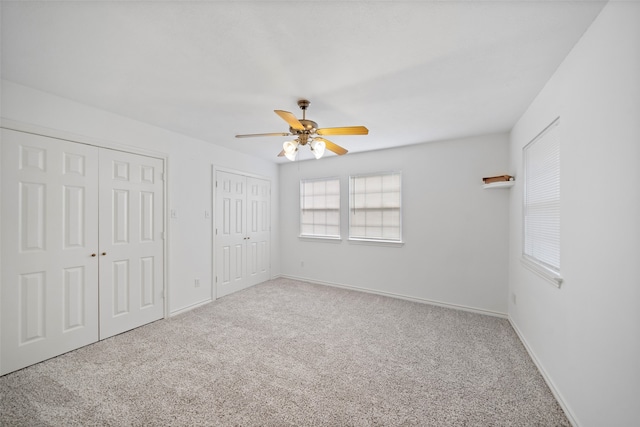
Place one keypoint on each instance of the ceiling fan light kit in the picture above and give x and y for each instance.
(317, 147)
(305, 131)
(290, 149)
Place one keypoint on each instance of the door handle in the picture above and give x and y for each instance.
(93, 254)
(104, 253)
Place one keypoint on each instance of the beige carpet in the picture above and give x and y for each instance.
(292, 353)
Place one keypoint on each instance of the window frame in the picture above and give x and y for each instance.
(375, 240)
(544, 269)
(301, 210)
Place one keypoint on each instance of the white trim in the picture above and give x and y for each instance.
(77, 138)
(167, 234)
(547, 379)
(239, 172)
(376, 242)
(316, 238)
(399, 296)
(190, 307)
(542, 271)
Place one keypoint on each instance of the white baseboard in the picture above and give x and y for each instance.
(554, 390)
(400, 296)
(190, 307)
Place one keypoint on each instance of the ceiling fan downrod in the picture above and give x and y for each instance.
(309, 125)
(303, 104)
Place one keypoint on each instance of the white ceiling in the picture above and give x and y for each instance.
(410, 71)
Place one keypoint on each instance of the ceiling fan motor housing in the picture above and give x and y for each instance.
(310, 128)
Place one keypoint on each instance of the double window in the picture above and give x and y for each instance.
(374, 207)
(541, 240)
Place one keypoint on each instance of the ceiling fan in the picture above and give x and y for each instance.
(305, 132)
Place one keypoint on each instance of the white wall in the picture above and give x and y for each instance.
(586, 335)
(189, 178)
(455, 233)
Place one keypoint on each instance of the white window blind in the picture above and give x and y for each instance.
(375, 209)
(320, 208)
(542, 199)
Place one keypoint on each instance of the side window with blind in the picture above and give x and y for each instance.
(541, 239)
(375, 207)
(320, 208)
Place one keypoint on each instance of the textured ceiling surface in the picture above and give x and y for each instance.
(411, 72)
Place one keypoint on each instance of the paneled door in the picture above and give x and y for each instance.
(242, 230)
(131, 246)
(82, 246)
(230, 233)
(258, 230)
(49, 288)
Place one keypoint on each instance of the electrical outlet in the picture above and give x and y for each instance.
(301, 263)
(174, 214)
(197, 283)
(207, 214)
(513, 298)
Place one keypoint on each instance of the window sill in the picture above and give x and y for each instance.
(542, 271)
(321, 238)
(373, 242)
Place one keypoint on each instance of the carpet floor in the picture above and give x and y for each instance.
(289, 353)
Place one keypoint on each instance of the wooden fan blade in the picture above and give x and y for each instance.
(349, 130)
(290, 118)
(251, 135)
(281, 153)
(333, 147)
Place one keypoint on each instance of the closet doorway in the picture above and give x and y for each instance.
(82, 245)
(242, 231)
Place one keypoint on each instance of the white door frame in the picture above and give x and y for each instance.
(101, 143)
(214, 171)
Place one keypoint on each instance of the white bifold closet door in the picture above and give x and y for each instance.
(49, 296)
(242, 232)
(131, 247)
(82, 255)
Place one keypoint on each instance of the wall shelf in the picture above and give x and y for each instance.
(500, 184)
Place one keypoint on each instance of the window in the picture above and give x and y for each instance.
(541, 242)
(375, 207)
(320, 208)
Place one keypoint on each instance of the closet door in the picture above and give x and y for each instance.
(49, 289)
(258, 230)
(242, 232)
(231, 256)
(131, 241)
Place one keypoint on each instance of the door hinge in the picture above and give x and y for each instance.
(216, 279)
(162, 176)
(163, 235)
